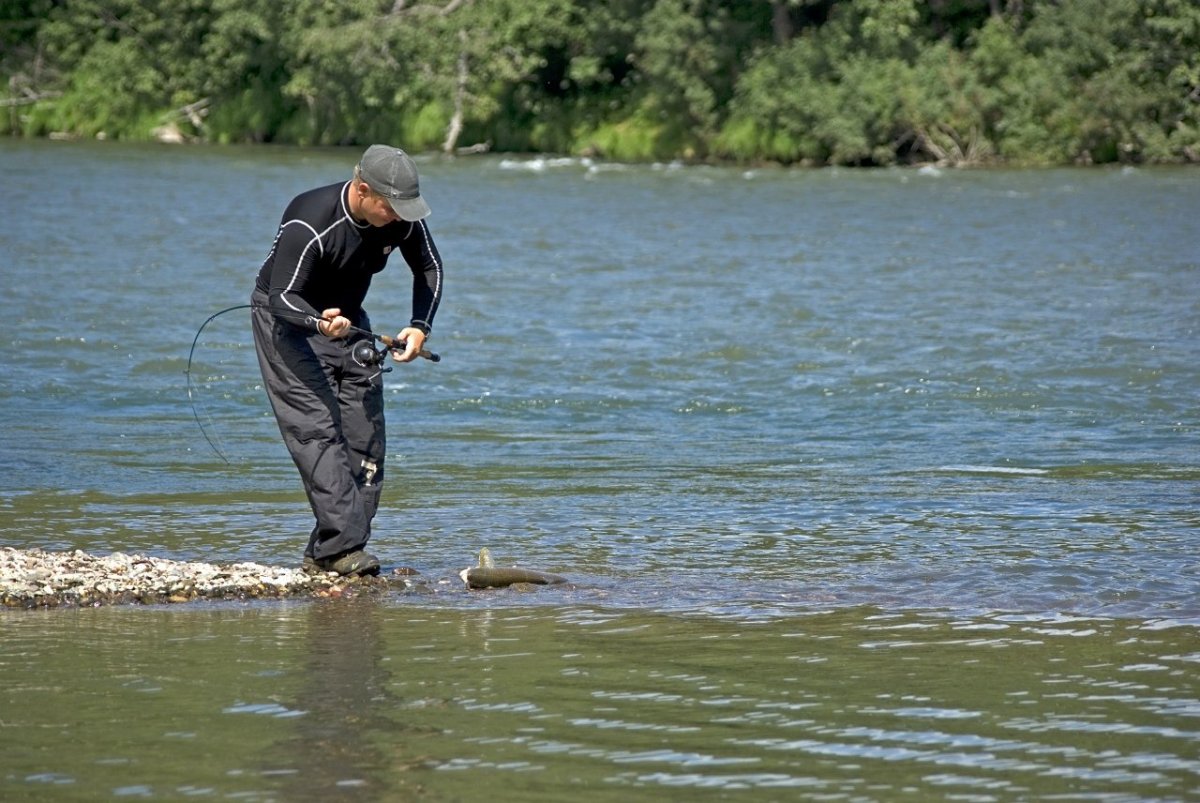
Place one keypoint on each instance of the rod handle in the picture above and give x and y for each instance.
(394, 343)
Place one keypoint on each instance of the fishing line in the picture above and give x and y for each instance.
(191, 393)
(374, 357)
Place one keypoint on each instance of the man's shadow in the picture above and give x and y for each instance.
(349, 744)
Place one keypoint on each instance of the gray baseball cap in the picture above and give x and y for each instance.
(391, 173)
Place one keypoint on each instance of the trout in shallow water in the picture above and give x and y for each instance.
(486, 574)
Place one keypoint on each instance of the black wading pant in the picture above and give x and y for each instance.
(330, 411)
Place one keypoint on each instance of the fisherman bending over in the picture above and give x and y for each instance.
(328, 402)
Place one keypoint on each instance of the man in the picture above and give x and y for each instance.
(308, 317)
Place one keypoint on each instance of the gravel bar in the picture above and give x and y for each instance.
(33, 578)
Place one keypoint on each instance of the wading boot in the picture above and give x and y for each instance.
(347, 564)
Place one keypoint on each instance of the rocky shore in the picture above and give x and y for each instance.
(33, 578)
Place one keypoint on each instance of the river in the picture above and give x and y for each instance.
(870, 486)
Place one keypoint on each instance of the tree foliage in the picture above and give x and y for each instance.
(868, 82)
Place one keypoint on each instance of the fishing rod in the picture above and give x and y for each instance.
(365, 354)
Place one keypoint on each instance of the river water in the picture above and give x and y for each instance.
(870, 485)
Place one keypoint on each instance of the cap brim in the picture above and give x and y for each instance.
(410, 209)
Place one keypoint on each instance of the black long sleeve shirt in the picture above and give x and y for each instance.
(322, 257)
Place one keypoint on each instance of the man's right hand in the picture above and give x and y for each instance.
(333, 323)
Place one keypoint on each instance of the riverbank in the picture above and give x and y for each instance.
(34, 578)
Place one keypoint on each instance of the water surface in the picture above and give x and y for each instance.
(871, 486)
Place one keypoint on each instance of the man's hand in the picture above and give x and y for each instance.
(334, 324)
(413, 340)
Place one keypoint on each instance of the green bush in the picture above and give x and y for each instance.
(862, 82)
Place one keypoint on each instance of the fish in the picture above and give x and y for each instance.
(486, 574)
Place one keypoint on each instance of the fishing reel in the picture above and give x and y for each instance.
(368, 355)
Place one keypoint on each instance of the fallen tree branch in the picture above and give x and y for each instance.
(29, 98)
(402, 7)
